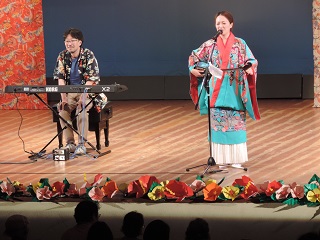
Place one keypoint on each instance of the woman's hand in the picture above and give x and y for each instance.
(249, 71)
(198, 72)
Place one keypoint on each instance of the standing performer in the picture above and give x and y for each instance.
(231, 95)
(75, 66)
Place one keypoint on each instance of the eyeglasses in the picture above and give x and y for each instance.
(70, 41)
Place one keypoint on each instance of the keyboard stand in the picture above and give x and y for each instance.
(34, 156)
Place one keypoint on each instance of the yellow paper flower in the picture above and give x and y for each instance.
(231, 192)
(314, 195)
(157, 193)
(210, 181)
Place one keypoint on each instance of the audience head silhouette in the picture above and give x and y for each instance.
(198, 229)
(309, 236)
(100, 230)
(86, 211)
(132, 224)
(157, 230)
(16, 227)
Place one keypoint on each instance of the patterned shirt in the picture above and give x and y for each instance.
(87, 64)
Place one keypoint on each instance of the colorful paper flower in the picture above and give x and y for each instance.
(157, 193)
(141, 186)
(283, 192)
(177, 190)
(296, 191)
(57, 189)
(7, 188)
(273, 187)
(263, 187)
(96, 194)
(314, 195)
(230, 192)
(211, 192)
(197, 185)
(136, 188)
(72, 190)
(109, 188)
(155, 190)
(249, 188)
(43, 193)
(83, 189)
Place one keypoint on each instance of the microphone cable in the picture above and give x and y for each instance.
(23, 144)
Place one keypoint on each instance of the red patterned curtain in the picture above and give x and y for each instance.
(22, 60)
(316, 51)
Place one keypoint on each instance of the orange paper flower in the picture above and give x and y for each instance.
(211, 192)
(109, 188)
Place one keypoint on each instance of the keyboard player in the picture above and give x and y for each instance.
(75, 66)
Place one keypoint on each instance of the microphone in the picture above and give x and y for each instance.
(217, 35)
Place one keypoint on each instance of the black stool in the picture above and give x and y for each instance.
(97, 122)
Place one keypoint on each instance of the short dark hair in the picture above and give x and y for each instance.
(157, 230)
(86, 211)
(198, 229)
(75, 33)
(132, 225)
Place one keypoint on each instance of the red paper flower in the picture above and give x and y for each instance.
(262, 188)
(272, 187)
(141, 187)
(136, 188)
(178, 190)
(250, 189)
(72, 190)
(57, 189)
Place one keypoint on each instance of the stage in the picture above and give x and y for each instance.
(162, 138)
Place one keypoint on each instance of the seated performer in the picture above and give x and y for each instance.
(75, 66)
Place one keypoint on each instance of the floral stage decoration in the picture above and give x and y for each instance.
(149, 188)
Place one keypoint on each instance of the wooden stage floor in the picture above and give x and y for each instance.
(162, 138)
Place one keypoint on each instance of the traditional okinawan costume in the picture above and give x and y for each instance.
(231, 96)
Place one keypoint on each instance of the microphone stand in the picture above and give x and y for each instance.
(205, 84)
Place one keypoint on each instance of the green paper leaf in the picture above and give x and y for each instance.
(44, 182)
(314, 178)
(291, 201)
(153, 185)
(313, 204)
(309, 187)
(29, 189)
